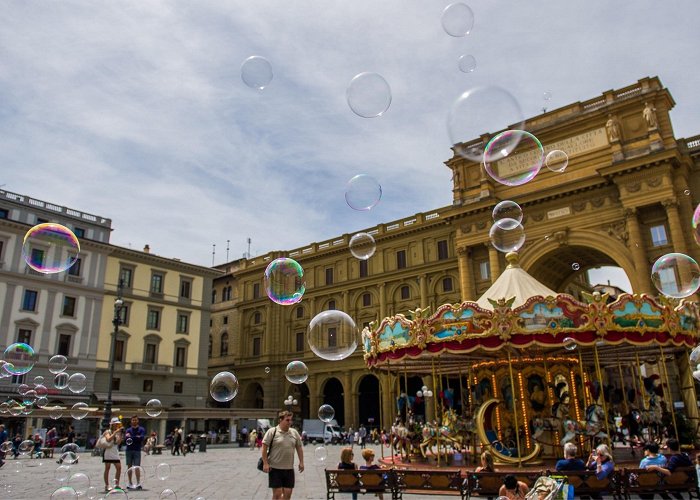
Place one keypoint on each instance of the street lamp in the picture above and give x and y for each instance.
(118, 303)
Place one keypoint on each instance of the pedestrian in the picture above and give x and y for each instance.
(177, 442)
(363, 436)
(37, 446)
(253, 439)
(3, 438)
(113, 436)
(368, 455)
(346, 463)
(134, 437)
(281, 441)
(244, 436)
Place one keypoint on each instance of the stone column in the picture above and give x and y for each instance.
(346, 301)
(639, 253)
(382, 301)
(423, 291)
(162, 429)
(388, 403)
(314, 396)
(349, 401)
(466, 276)
(429, 402)
(494, 263)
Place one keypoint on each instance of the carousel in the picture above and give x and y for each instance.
(524, 370)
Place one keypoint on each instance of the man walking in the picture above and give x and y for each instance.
(363, 436)
(281, 441)
(134, 437)
(3, 438)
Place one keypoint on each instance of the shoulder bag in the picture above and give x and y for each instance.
(261, 464)
(102, 443)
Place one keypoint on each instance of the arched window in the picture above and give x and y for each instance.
(224, 344)
(405, 293)
(211, 342)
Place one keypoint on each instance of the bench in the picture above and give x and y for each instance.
(433, 481)
(488, 484)
(158, 449)
(647, 482)
(359, 481)
(586, 484)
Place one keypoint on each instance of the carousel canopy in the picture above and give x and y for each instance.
(513, 282)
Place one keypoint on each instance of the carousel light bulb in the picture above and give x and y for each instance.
(294, 402)
(419, 394)
(424, 388)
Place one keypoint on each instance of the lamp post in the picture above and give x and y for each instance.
(118, 303)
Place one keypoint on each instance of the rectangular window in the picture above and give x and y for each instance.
(116, 383)
(484, 270)
(119, 350)
(185, 288)
(442, 249)
(256, 290)
(447, 284)
(300, 312)
(401, 259)
(331, 305)
(29, 300)
(256, 318)
(300, 341)
(213, 296)
(256, 346)
(332, 337)
(182, 323)
(64, 345)
(4, 213)
(177, 387)
(37, 256)
(157, 283)
(225, 320)
(74, 270)
(39, 220)
(366, 300)
(405, 293)
(658, 235)
(18, 379)
(149, 355)
(180, 357)
(79, 232)
(124, 314)
(148, 386)
(364, 269)
(329, 276)
(153, 322)
(24, 336)
(68, 306)
(126, 276)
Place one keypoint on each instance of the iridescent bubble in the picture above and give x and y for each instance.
(77, 383)
(58, 363)
(332, 335)
(79, 482)
(575, 266)
(368, 95)
(79, 411)
(513, 157)
(326, 413)
(696, 225)
(362, 246)
(296, 372)
(507, 236)
(363, 192)
(3, 409)
(556, 160)
(63, 493)
(256, 72)
(267, 370)
(457, 19)
(50, 248)
(116, 493)
(167, 494)
(6, 447)
(676, 275)
(41, 402)
(223, 387)
(56, 412)
(570, 344)
(284, 281)
(466, 63)
(29, 397)
(41, 391)
(163, 471)
(479, 111)
(20, 358)
(136, 475)
(154, 407)
(25, 447)
(22, 389)
(509, 210)
(60, 381)
(38, 380)
(15, 408)
(27, 409)
(321, 454)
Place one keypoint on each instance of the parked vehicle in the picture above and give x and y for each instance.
(321, 432)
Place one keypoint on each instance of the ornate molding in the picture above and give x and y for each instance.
(598, 202)
(618, 230)
(481, 224)
(579, 206)
(670, 202)
(633, 188)
(538, 217)
(654, 181)
(562, 237)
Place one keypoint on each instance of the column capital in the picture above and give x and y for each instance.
(629, 212)
(463, 251)
(670, 202)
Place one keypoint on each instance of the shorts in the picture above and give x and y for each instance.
(111, 461)
(281, 478)
(133, 458)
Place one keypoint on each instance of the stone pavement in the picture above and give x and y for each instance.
(218, 474)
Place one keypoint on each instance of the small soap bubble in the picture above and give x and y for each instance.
(20, 358)
(91, 493)
(25, 447)
(267, 370)
(256, 72)
(362, 246)
(79, 411)
(50, 248)
(332, 335)
(163, 471)
(284, 281)
(129, 441)
(79, 482)
(507, 235)
(556, 160)
(62, 473)
(56, 412)
(510, 144)
(167, 494)
(466, 63)
(296, 372)
(77, 383)
(6, 447)
(570, 344)
(457, 19)
(154, 407)
(136, 475)
(223, 387)
(60, 381)
(22, 389)
(321, 454)
(547, 95)
(326, 413)
(41, 402)
(38, 380)
(676, 275)
(575, 266)
(58, 363)
(41, 391)
(363, 192)
(509, 210)
(368, 95)
(63, 493)
(116, 493)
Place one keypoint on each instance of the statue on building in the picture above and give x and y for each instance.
(649, 115)
(612, 126)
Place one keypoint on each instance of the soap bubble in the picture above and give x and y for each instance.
(575, 266)
(79, 482)
(696, 225)
(267, 370)
(56, 412)
(63, 493)
(135, 475)
(25, 447)
(467, 63)
(163, 471)
(20, 358)
(284, 281)
(556, 160)
(91, 493)
(116, 493)
(296, 372)
(60, 381)
(363, 192)
(513, 157)
(79, 411)
(509, 210)
(41, 391)
(6, 447)
(570, 344)
(362, 246)
(507, 236)
(223, 387)
(676, 275)
(478, 111)
(77, 383)
(38, 380)
(368, 95)
(50, 248)
(695, 355)
(326, 413)
(62, 473)
(321, 454)
(547, 95)
(332, 335)
(154, 408)
(22, 389)
(72, 447)
(58, 364)
(167, 494)
(457, 19)
(256, 72)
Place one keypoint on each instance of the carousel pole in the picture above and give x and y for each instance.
(583, 380)
(392, 385)
(461, 393)
(670, 394)
(550, 393)
(602, 391)
(435, 399)
(515, 412)
(622, 386)
(405, 386)
(381, 409)
(641, 384)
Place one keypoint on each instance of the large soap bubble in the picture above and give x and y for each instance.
(77, 383)
(296, 372)
(326, 413)
(284, 281)
(363, 192)
(362, 246)
(223, 387)
(50, 248)
(368, 95)
(154, 407)
(332, 335)
(507, 235)
(676, 275)
(513, 157)
(510, 210)
(20, 358)
(58, 364)
(457, 19)
(256, 72)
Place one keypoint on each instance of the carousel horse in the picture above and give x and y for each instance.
(452, 433)
(399, 438)
(592, 428)
(560, 412)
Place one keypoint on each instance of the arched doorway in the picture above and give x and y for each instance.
(334, 395)
(300, 392)
(368, 401)
(415, 383)
(254, 396)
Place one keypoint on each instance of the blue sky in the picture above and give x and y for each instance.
(135, 110)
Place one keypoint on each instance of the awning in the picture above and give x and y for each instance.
(119, 397)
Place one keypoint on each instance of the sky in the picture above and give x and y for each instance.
(136, 110)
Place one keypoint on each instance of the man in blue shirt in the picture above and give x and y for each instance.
(652, 456)
(134, 437)
(3, 438)
(570, 462)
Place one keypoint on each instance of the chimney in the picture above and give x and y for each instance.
(147, 249)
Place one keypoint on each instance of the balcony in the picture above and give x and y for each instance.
(73, 279)
(151, 367)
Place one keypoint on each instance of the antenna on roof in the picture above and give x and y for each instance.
(248, 253)
(227, 247)
(213, 252)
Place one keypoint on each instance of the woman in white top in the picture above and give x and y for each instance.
(113, 436)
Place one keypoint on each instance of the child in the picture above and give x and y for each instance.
(347, 463)
(368, 455)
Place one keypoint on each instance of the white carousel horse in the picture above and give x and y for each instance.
(593, 427)
(399, 437)
(541, 424)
